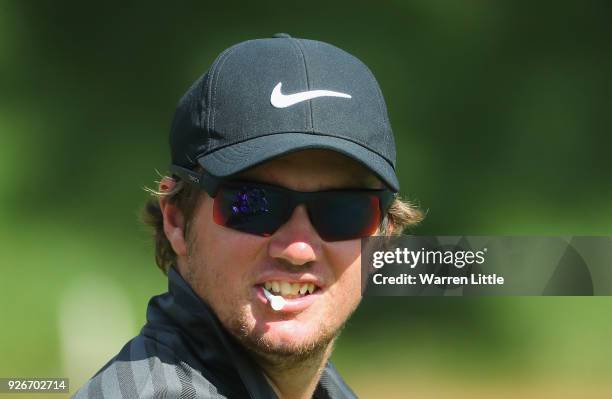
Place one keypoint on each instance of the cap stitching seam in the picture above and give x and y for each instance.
(385, 117)
(214, 94)
(298, 45)
(379, 92)
(202, 96)
(213, 69)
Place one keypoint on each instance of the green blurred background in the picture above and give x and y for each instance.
(502, 117)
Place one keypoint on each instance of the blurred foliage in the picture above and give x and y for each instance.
(501, 112)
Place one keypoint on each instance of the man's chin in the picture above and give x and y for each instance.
(286, 341)
(289, 334)
(283, 351)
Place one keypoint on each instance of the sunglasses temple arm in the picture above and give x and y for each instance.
(386, 202)
(206, 181)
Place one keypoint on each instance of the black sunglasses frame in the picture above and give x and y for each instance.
(211, 184)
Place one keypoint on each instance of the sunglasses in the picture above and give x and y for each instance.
(261, 209)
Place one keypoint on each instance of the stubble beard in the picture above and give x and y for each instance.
(283, 355)
(261, 347)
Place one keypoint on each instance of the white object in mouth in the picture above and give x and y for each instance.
(276, 301)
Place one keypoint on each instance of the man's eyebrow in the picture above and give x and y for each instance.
(358, 178)
(369, 181)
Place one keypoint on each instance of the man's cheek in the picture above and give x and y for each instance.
(341, 298)
(349, 293)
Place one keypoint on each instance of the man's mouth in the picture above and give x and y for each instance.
(289, 290)
(287, 296)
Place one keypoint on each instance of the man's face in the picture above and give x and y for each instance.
(228, 268)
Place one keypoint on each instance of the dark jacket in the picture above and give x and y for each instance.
(184, 352)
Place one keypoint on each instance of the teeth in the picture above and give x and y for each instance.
(285, 288)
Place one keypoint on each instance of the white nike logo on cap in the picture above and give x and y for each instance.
(280, 100)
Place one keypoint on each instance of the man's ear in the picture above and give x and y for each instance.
(174, 221)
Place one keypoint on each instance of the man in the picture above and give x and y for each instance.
(282, 159)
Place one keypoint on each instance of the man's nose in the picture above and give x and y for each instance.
(296, 242)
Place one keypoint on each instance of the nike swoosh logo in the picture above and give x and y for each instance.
(280, 100)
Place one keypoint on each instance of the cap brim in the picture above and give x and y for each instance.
(235, 158)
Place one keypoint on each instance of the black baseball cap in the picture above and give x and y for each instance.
(264, 98)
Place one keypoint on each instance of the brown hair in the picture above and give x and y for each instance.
(401, 215)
